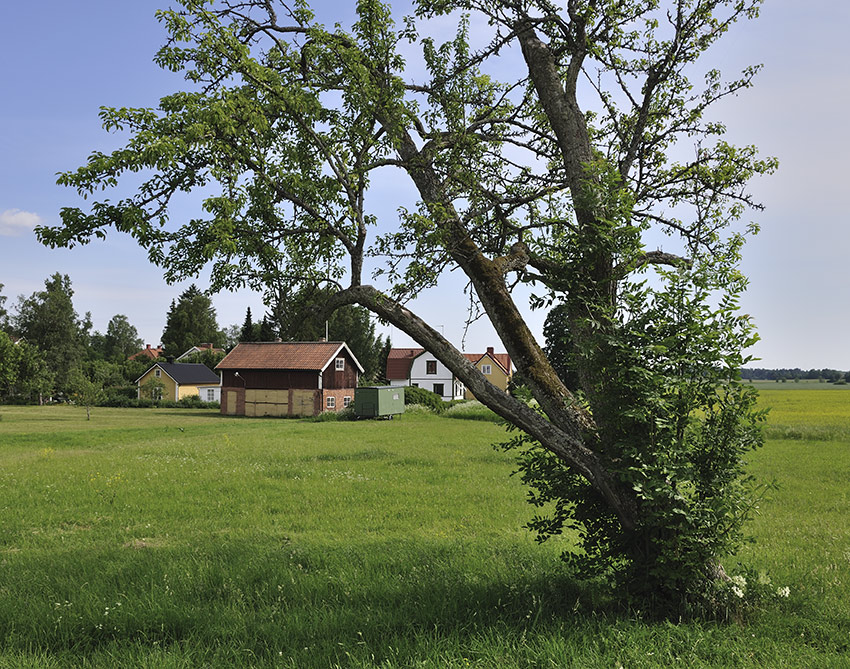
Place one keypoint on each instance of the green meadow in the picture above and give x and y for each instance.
(181, 538)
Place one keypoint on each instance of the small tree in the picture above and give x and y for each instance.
(85, 391)
(249, 330)
(152, 389)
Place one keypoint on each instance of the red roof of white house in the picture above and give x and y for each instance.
(301, 355)
(399, 361)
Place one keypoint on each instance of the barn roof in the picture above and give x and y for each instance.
(300, 355)
(399, 361)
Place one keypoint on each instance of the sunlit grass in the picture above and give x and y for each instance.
(169, 538)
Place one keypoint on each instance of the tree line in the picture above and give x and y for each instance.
(48, 352)
(796, 374)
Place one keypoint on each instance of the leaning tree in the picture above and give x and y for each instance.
(550, 146)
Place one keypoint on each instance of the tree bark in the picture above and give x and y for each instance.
(565, 444)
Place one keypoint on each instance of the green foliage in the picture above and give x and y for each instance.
(539, 178)
(301, 319)
(423, 397)
(121, 339)
(676, 423)
(151, 389)
(4, 315)
(24, 374)
(86, 391)
(249, 331)
(47, 320)
(191, 321)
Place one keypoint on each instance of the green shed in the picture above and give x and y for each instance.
(372, 401)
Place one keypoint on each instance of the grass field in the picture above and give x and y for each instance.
(176, 538)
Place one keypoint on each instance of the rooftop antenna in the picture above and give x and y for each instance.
(326, 331)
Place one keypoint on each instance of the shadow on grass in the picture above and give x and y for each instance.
(362, 604)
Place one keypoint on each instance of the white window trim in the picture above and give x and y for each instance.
(330, 402)
(340, 364)
(487, 369)
(346, 401)
(157, 373)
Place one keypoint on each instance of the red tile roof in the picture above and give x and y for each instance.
(148, 352)
(501, 359)
(399, 361)
(284, 355)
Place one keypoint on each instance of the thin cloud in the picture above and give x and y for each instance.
(14, 222)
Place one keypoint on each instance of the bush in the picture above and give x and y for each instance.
(426, 398)
(128, 392)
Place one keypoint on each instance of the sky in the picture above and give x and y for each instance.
(61, 61)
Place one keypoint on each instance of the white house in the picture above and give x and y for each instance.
(417, 367)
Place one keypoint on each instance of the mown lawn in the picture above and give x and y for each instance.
(176, 538)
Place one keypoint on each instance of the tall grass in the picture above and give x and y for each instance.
(168, 538)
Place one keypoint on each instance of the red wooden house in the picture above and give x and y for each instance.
(288, 378)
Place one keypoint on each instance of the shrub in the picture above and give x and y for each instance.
(426, 398)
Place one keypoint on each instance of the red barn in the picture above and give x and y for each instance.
(288, 378)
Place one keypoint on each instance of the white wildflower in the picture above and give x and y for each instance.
(738, 592)
(784, 591)
(740, 581)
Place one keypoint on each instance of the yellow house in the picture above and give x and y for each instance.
(495, 366)
(175, 380)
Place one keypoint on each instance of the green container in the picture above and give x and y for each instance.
(374, 401)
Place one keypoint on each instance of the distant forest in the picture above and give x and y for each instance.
(827, 375)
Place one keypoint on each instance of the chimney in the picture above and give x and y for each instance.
(170, 359)
(149, 347)
(490, 351)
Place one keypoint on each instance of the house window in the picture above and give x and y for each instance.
(438, 388)
(340, 364)
(430, 366)
(346, 401)
(156, 393)
(157, 373)
(330, 403)
(414, 385)
(486, 369)
(210, 395)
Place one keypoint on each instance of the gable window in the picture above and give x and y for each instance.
(346, 401)
(487, 369)
(157, 373)
(438, 388)
(430, 366)
(330, 403)
(340, 364)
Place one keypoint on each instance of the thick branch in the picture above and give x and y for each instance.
(566, 445)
